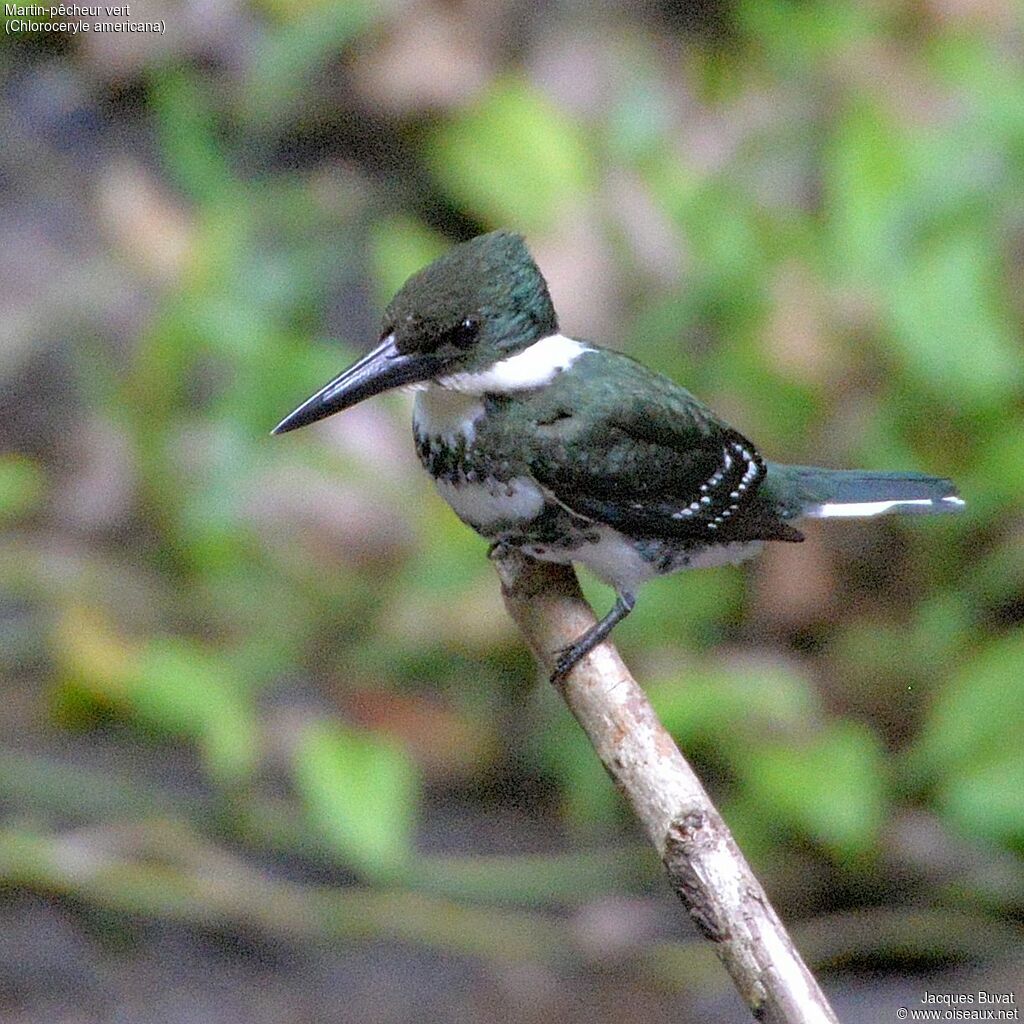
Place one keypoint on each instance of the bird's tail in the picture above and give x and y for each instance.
(807, 491)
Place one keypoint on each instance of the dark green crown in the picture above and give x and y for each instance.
(486, 295)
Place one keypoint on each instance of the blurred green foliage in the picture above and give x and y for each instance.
(839, 188)
(21, 487)
(513, 158)
(361, 791)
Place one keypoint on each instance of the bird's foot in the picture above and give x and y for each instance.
(499, 549)
(568, 658)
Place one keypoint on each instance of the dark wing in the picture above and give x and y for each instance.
(660, 466)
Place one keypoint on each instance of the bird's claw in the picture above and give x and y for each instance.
(565, 662)
(498, 550)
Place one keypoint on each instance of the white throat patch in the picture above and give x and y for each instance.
(531, 368)
(445, 415)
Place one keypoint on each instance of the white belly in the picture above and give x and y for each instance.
(615, 560)
(625, 563)
(485, 505)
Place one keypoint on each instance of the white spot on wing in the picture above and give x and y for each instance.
(531, 368)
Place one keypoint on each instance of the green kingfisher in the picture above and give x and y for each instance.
(570, 452)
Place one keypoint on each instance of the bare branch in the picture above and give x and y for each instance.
(705, 867)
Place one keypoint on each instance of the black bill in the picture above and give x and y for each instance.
(380, 370)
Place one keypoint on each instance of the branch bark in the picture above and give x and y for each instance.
(704, 864)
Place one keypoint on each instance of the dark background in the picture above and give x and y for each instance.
(270, 749)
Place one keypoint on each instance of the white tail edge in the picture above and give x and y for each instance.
(866, 509)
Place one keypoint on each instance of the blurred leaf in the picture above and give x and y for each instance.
(182, 689)
(882, 440)
(997, 578)
(224, 234)
(993, 487)
(728, 236)
(866, 176)
(915, 650)
(831, 789)
(174, 686)
(188, 135)
(92, 654)
(985, 798)
(570, 877)
(946, 320)
(588, 798)
(451, 560)
(362, 792)
(512, 159)
(639, 121)
(780, 408)
(728, 706)
(976, 64)
(21, 487)
(909, 217)
(799, 34)
(977, 714)
(313, 32)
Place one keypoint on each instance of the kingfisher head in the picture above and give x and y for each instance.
(480, 303)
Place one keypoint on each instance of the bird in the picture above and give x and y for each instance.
(569, 452)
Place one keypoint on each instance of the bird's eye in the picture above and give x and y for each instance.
(465, 333)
